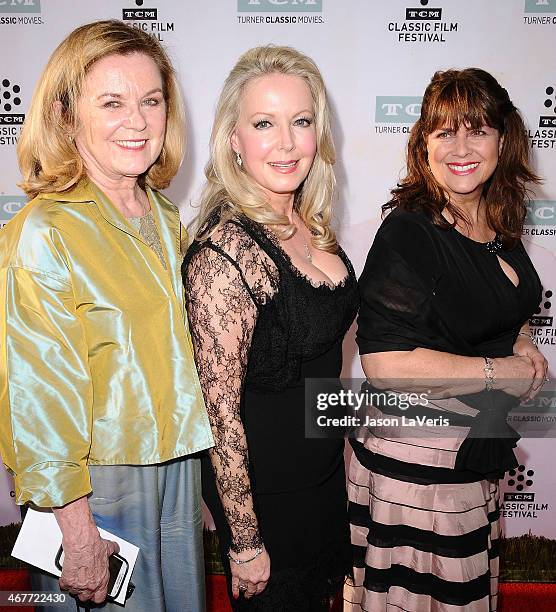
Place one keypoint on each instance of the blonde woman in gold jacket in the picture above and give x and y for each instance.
(100, 404)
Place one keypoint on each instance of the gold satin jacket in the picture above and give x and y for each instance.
(96, 362)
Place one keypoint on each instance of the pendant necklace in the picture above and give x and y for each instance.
(308, 255)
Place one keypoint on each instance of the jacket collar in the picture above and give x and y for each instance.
(80, 192)
(165, 214)
(86, 191)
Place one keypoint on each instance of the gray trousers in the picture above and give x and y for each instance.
(158, 508)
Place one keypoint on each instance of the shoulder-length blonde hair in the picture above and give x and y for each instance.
(232, 190)
(48, 158)
(470, 97)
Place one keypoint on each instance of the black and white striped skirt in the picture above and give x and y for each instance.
(423, 540)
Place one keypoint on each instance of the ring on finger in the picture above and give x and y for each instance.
(242, 586)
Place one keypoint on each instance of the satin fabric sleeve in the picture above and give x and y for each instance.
(47, 396)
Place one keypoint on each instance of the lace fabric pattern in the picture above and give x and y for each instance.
(226, 283)
(146, 227)
(253, 321)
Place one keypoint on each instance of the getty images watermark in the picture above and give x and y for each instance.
(356, 404)
(428, 408)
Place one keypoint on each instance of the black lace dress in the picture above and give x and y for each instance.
(259, 328)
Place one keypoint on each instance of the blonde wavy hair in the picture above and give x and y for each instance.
(230, 189)
(48, 158)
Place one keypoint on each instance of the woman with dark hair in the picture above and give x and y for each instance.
(447, 292)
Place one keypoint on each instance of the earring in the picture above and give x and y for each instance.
(239, 161)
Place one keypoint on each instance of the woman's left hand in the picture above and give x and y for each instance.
(85, 571)
(251, 577)
(525, 347)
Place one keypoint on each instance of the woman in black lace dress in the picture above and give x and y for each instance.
(271, 295)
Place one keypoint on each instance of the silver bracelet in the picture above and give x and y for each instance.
(258, 551)
(489, 373)
(530, 336)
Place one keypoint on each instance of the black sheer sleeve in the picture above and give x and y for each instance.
(397, 286)
(227, 278)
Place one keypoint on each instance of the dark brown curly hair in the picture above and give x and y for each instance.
(474, 98)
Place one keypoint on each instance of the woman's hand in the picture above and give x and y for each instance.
(525, 347)
(253, 575)
(514, 375)
(85, 570)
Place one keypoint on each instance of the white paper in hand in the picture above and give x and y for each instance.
(40, 538)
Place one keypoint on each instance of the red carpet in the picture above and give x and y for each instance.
(217, 596)
(527, 597)
(514, 596)
(14, 580)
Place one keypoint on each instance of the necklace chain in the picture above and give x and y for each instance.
(308, 255)
(307, 251)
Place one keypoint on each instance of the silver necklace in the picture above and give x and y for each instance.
(308, 255)
(307, 252)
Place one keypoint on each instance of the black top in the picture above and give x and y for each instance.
(260, 327)
(424, 286)
(301, 322)
(429, 287)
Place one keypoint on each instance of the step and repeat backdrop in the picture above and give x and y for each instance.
(377, 56)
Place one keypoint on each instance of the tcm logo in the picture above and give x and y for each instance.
(279, 6)
(398, 109)
(423, 14)
(522, 497)
(549, 121)
(140, 14)
(541, 212)
(20, 6)
(10, 101)
(541, 318)
(9, 206)
(518, 480)
(540, 6)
